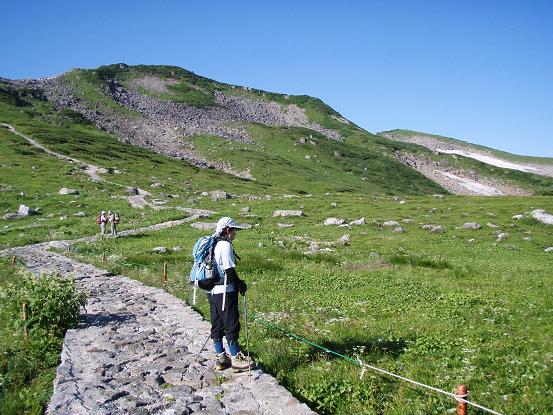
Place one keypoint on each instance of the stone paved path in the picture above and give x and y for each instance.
(135, 348)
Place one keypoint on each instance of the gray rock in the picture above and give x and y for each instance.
(161, 249)
(399, 229)
(472, 225)
(435, 229)
(548, 249)
(358, 221)
(285, 225)
(408, 220)
(344, 240)
(542, 216)
(517, 217)
(132, 191)
(79, 214)
(390, 223)
(157, 185)
(204, 226)
(333, 205)
(68, 191)
(219, 195)
(26, 211)
(334, 221)
(287, 213)
(491, 225)
(501, 237)
(245, 210)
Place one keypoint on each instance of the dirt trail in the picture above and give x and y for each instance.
(136, 351)
(137, 201)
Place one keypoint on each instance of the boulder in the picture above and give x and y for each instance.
(344, 240)
(68, 191)
(491, 225)
(132, 190)
(157, 185)
(334, 221)
(501, 237)
(204, 226)
(25, 211)
(390, 223)
(517, 217)
(542, 216)
(408, 220)
(399, 229)
(285, 225)
(79, 214)
(358, 221)
(287, 213)
(472, 225)
(160, 249)
(245, 210)
(435, 229)
(219, 195)
(548, 249)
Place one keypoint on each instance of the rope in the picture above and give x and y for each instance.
(363, 366)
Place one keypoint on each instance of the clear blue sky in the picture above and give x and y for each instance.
(478, 71)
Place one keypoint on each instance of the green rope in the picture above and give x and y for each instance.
(303, 340)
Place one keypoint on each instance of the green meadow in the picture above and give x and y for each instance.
(442, 309)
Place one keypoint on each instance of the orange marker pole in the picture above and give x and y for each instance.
(25, 334)
(165, 275)
(462, 406)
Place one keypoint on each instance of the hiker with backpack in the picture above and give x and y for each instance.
(113, 218)
(101, 220)
(214, 271)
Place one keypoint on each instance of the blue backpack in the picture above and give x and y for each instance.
(204, 272)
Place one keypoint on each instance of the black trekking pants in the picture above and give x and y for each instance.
(224, 323)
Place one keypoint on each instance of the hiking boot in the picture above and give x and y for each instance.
(222, 361)
(240, 363)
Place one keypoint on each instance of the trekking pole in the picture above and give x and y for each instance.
(224, 293)
(247, 336)
(201, 350)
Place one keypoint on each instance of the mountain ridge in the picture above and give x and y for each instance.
(247, 133)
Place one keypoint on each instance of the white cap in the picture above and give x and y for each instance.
(103, 211)
(226, 222)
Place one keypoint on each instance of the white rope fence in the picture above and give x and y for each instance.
(459, 398)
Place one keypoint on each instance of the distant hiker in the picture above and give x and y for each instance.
(101, 220)
(113, 218)
(227, 322)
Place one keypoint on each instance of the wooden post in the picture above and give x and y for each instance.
(13, 260)
(103, 257)
(165, 275)
(25, 334)
(461, 406)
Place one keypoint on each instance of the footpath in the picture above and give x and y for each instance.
(136, 349)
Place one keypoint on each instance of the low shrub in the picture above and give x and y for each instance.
(27, 366)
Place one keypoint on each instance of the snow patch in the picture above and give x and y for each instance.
(471, 185)
(489, 160)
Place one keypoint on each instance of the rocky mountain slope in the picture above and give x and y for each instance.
(468, 169)
(296, 143)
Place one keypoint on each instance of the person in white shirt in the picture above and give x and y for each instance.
(227, 322)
